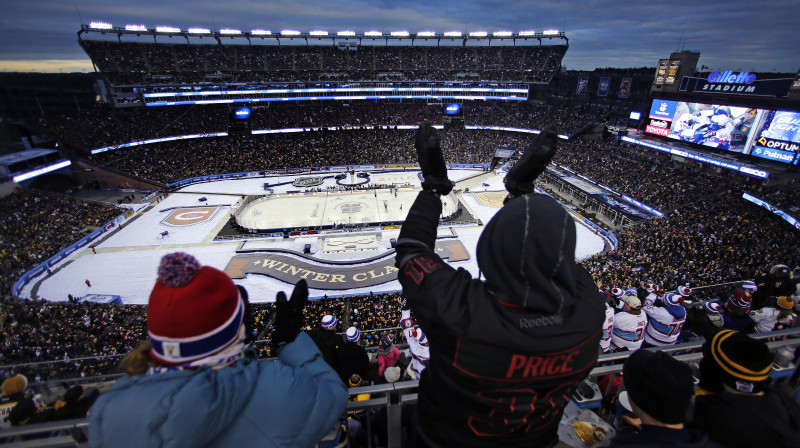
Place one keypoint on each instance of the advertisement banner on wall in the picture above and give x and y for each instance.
(625, 88)
(602, 87)
(583, 86)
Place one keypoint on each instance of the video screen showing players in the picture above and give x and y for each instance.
(714, 125)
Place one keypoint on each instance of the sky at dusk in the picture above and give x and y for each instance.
(41, 35)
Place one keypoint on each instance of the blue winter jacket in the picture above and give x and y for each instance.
(289, 402)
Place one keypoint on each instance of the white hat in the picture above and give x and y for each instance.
(392, 374)
(632, 301)
(353, 334)
(328, 322)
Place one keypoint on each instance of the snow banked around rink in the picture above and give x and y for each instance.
(126, 261)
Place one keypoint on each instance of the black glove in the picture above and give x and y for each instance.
(431, 161)
(249, 334)
(537, 156)
(289, 315)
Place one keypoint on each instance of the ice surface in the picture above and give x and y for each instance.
(126, 261)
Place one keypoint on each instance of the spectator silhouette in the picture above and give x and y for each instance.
(505, 355)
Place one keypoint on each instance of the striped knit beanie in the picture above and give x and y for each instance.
(353, 334)
(194, 311)
(749, 285)
(741, 362)
(329, 322)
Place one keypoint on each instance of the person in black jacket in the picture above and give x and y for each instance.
(659, 389)
(774, 283)
(505, 354)
(327, 340)
(352, 357)
(76, 403)
(733, 403)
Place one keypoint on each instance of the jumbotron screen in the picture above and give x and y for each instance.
(769, 134)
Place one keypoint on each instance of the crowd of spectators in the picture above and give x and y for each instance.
(35, 225)
(708, 236)
(172, 161)
(104, 126)
(81, 340)
(48, 341)
(709, 233)
(130, 63)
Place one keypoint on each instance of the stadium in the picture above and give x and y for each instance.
(276, 156)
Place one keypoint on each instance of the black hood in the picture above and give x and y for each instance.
(527, 254)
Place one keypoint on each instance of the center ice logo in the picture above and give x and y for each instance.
(349, 208)
(189, 216)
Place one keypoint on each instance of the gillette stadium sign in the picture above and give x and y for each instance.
(731, 78)
(737, 83)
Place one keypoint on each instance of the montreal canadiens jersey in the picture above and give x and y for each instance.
(420, 354)
(664, 324)
(628, 330)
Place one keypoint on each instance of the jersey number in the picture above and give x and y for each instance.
(519, 410)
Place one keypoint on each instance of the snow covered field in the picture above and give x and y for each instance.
(126, 261)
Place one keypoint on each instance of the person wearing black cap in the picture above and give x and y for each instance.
(660, 393)
(733, 403)
(352, 357)
(774, 283)
(505, 354)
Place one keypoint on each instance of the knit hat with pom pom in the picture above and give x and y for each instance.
(194, 311)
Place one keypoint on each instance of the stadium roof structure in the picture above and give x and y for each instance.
(229, 33)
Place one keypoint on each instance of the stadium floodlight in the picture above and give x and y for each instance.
(40, 171)
(550, 32)
(452, 34)
(135, 28)
(426, 34)
(230, 31)
(318, 33)
(100, 25)
(527, 33)
(400, 33)
(198, 31)
(346, 33)
(260, 32)
(502, 34)
(478, 33)
(290, 33)
(373, 33)
(167, 29)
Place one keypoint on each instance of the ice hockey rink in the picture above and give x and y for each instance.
(126, 259)
(333, 208)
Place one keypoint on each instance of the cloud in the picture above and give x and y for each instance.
(46, 65)
(601, 33)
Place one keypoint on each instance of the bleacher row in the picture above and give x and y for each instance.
(135, 63)
(104, 126)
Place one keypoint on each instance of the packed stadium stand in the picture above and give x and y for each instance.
(153, 64)
(709, 238)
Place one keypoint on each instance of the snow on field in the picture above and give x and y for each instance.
(127, 259)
